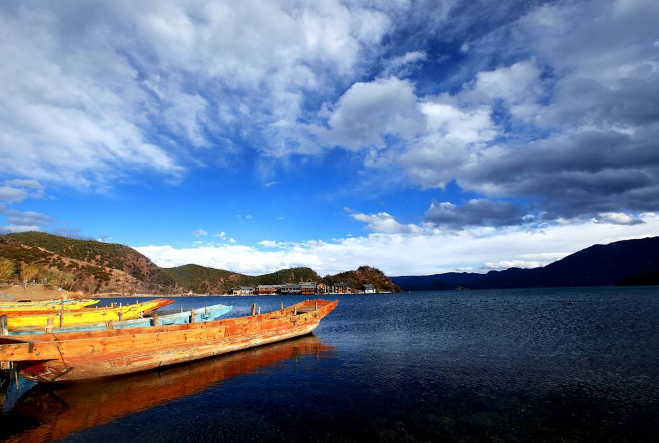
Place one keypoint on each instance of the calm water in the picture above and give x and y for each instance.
(569, 365)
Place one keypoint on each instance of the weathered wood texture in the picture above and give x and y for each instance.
(95, 354)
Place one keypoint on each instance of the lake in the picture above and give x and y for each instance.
(540, 365)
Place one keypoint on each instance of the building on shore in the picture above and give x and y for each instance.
(308, 288)
(243, 290)
(290, 289)
(268, 289)
(368, 288)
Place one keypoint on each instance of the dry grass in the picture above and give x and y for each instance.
(37, 292)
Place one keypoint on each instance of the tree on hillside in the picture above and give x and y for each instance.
(7, 270)
(28, 273)
(57, 278)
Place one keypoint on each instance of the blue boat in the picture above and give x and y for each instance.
(201, 315)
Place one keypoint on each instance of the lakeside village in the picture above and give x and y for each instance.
(310, 288)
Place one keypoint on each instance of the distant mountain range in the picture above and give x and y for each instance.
(627, 262)
(98, 267)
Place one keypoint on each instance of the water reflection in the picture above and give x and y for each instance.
(52, 412)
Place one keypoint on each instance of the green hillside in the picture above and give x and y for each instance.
(108, 255)
(113, 268)
(208, 280)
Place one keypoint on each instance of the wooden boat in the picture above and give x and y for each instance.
(86, 316)
(53, 301)
(19, 309)
(73, 356)
(53, 412)
(207, 313)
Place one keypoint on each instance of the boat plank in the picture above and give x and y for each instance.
(97, 354)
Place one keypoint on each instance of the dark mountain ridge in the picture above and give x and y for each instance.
(626, 262)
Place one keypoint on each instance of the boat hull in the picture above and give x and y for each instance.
(20, 309)
(84, 317)
(67, 359)
(179, 318)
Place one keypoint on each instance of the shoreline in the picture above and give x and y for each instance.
(118, 295)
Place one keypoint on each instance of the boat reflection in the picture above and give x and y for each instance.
(52, 412)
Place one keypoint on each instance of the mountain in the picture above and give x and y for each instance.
(201, 279)
(363, 274)
(99, 254)
(624, 262)
(98, 267)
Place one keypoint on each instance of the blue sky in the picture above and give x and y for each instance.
(418, 137)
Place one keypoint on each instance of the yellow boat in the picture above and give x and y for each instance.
(53, 301)
(86, 316)
(45, 308)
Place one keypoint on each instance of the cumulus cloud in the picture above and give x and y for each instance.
(475, 212)
(570, 122)
(619, 218)
(367, 112)
(518, 85)
(94, 92)
(23, 221)
(434, 250)
(382, 222)
(199, 233)
(15, 191)
(544, 103)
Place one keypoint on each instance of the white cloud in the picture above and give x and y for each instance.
(9, 229)
(12, 195)
(92, 94)
(619, 218)
(369, 111)
(23, 221)
(222, 235)
(505, 264)
(15, 191)
(199, 233)
(268, 243)
(383, 222)
(400, 66)
(270, 184)
(427, 251)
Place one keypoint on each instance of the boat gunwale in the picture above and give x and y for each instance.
(111, 333)
(131, 324)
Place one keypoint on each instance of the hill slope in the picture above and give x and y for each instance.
(110, 267)
(104, 255)
(363, 274)
(631, 261)
(216, 281)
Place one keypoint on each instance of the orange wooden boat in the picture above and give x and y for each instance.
(74, 356)
(53, 412)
